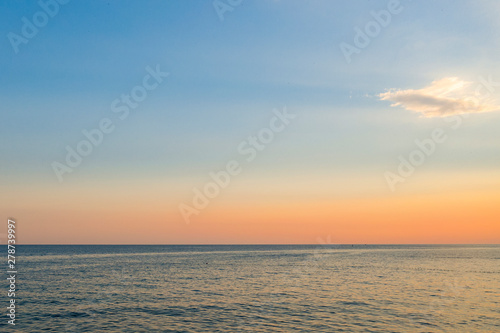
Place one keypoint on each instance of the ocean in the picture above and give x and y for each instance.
(259, 288)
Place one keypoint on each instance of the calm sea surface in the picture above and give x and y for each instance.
(257, 289)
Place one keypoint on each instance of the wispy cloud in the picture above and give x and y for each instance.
(445, 97)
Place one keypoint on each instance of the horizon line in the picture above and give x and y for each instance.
(266, 244)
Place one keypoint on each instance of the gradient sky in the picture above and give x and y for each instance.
(322, 177)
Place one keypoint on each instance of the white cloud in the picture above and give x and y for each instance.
(445, 97)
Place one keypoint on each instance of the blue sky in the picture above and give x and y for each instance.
(227, 76)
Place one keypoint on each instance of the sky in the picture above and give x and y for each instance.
(250, 122)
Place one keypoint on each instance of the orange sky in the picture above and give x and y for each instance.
(467, 213)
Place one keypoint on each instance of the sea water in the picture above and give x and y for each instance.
(261, 288)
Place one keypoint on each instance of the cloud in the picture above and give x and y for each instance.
(445, 97)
